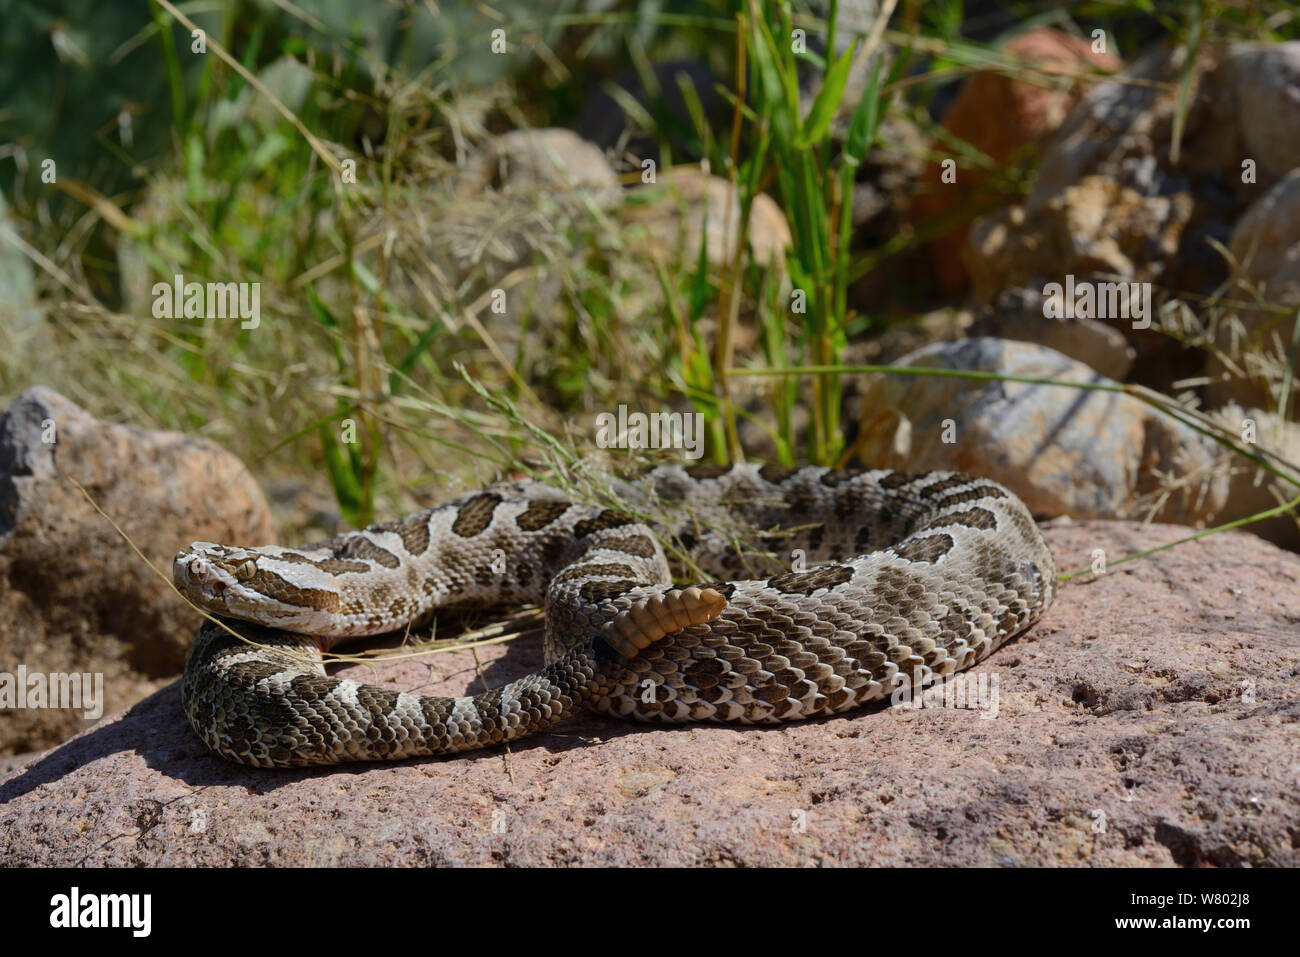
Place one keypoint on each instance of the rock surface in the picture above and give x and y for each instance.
(999, 115)
(1123, 191)
(554, 160)
(1086, 454)
(1266, 240)
(1266, 246)
(1021, 314)
(687, 207)
(1094, 227)
(1149, 720)
(74, 597)
(1257, 87)
(1253, 490)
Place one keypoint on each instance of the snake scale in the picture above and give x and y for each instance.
(920, 576)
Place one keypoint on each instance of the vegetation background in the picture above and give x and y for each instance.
(375, 362)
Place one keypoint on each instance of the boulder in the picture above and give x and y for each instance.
(1096, 227)
(75, 598)
(1001, 115)
(1257, 92)
(1064, 451)
(1118, 196)
(1022, 314)
(554, 160)
(1265, 245)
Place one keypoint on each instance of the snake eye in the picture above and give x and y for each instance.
(246, 570)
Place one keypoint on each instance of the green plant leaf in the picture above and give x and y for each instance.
(698, 292)
(828, 100)
(343, 477)
(862, 128)
(431, 332)
(326, 319)
(776, 93)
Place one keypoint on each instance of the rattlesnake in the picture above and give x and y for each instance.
(947, 568)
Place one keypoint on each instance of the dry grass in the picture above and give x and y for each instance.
(376, 304)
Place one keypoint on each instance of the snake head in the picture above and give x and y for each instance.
(273, 586)
(214, 576)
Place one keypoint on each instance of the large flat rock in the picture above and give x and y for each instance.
(1149, 720)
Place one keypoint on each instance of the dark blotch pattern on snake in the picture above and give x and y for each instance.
(925, 575)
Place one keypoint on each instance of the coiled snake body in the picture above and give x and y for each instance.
(931, 573)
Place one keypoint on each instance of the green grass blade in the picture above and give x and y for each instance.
(827, 102)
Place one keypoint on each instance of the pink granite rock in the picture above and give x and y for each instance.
(75, 598)
(1149, 720)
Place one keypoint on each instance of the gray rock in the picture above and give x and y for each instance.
(1266, 245)
(1114, 131)
(1086, 454)
(556, 161)
(1109, 199)
(1258, 87)
(1266, 240)
(1020, 315)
